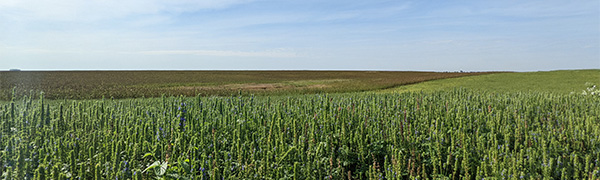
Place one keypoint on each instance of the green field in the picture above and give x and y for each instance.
(459, 128)
(562, 82)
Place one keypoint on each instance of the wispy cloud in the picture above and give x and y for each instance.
(364, 13)
(90, 10)
(277, 53)
(352, 34)
(47, 51)
(544, 9)
(271, 53)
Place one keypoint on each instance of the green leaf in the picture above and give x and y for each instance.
(161, 171)
(153, 165)
(186, 166)
(177, 176)
(148, 154)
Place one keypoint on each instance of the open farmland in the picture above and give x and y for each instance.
(133, 84)
(450, 134)
(559, 82)
(299, 90)
(456, 134)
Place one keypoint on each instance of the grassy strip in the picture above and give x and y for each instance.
(563, 82)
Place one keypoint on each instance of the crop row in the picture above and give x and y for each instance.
(458, 134)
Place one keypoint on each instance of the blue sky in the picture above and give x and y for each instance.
(421, 35)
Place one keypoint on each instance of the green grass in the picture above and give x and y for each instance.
(562, 82)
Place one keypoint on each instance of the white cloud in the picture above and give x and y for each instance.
(546, 9)
(271, 53)
(368, 13)
(87, 10)
(277, 53)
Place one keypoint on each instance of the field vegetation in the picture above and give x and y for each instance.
(134, 84)
(455, 133)
(560, 82)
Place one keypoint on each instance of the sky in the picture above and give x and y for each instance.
(423, 35)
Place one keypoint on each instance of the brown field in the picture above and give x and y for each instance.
(133, 84)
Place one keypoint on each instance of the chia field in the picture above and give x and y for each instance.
(300, 125)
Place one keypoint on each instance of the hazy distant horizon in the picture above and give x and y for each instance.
(366, 70)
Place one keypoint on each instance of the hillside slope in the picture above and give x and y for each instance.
(562, 81)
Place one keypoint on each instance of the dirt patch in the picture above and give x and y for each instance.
(258, 86)
(235, 87)
(250, 86)
(317, 86)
